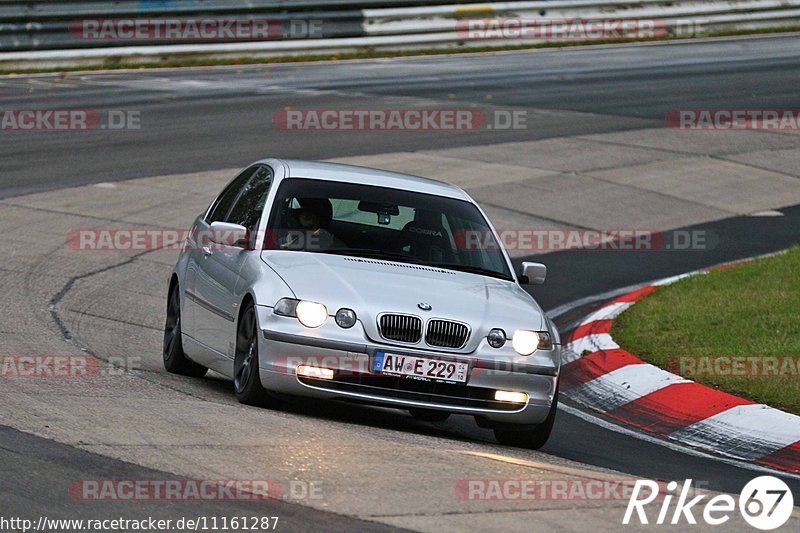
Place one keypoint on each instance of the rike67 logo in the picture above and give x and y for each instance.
(765, 503)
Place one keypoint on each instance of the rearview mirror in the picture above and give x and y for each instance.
(380, 209)
(229, 234)
(532, 273)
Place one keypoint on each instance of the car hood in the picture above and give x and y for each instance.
(371, 287)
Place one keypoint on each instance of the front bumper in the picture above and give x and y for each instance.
(284, 345)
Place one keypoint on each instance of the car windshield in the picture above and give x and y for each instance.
(382, 223)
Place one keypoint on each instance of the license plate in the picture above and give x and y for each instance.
(420, 367)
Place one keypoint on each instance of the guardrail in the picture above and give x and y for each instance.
(85, 32)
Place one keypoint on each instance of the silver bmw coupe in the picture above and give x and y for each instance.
(361, 285)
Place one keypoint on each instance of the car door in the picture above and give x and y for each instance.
(197, 244)
(218, 286)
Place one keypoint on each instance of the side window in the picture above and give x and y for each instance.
(224, 202)
(250, 203)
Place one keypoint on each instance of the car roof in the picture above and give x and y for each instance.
(297, 168)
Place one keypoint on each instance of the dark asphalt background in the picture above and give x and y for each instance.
(206, 119)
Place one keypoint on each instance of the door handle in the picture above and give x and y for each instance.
(206, 251)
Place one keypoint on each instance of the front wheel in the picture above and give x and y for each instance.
(532, 439)
(246, 378)
(175, 360)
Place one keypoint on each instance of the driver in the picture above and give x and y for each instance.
(312, 219)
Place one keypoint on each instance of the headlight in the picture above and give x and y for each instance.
(286, 307)
(496, 338)
(345, 318)
(526, 342)
(311, 314)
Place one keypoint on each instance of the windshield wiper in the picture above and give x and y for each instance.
(372, 254)
(471, 269)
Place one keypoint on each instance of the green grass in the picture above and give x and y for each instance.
(749, 310)
(370, 53)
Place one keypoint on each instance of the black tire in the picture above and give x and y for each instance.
(429, 415)
(532, 439)
(175, 360)
(246, 379)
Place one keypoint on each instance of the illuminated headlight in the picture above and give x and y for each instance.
(311, 314)
(526, 342)
(345, 318)
(496, 338)
(510, 396)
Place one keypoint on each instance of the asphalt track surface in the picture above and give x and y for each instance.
(205, 119)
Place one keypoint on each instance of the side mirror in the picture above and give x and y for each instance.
(532, 273)
(229, 234)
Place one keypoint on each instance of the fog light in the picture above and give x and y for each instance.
(510, 396)
(496, 338)
(345, 318)
(314, 372)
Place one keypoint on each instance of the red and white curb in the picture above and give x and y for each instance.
(598, 374)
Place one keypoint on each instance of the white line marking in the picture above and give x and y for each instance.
(607, 312)
(569, 355)
(746, 431)
(583, 415)
(623, 385)
(672, 279)
(591, 343)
